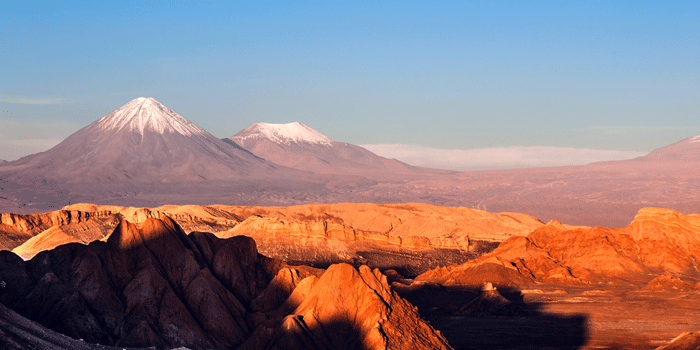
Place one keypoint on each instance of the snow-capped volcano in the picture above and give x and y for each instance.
(143, 114)
(299, 146)
(142, 141)
(285, 134)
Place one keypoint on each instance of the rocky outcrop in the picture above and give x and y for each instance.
(411, 238)
(348, 309)
(657, 242)
(145, 286)
(83, 226)
(668, 282)
(685, 341)
(150, 284)
(46, 240)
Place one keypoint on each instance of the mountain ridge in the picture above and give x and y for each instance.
(133, 165)
(152, 285)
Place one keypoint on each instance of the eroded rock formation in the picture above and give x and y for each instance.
(83, 226)
(685, 341)
(409, 237)
(150, 284)
(657, 242)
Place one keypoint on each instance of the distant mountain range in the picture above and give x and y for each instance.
(298, 146)
(144, 154)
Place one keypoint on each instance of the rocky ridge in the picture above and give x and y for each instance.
(80, 226)
(408, 236)
(217, 293)
(657, 242)
(685, 341)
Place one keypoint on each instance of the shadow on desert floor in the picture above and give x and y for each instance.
(519, 326)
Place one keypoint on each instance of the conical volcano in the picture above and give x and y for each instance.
(141, 141)
(299, 146)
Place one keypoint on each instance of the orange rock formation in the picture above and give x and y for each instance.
(150, 284)
(657, 242)
(404, 236)
(685, 341)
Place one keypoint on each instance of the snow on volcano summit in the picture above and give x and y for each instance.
(283, 134)
(143, 141)
(148, 114)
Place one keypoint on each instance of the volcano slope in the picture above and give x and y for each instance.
(630, 288)
(410, 238)
(299, 146)
(152, 285)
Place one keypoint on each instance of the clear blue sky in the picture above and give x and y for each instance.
(618, 75)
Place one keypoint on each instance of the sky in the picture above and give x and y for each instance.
(589, 75)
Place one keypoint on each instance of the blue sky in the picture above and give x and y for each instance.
(607, 75)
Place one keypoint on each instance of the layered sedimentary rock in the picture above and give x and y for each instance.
(150, 284)
(81, 225)
(347, 309)
(410, 237)
(657, 242)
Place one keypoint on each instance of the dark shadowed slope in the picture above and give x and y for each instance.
(19, 333)
(152, 285)
(298, 146)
